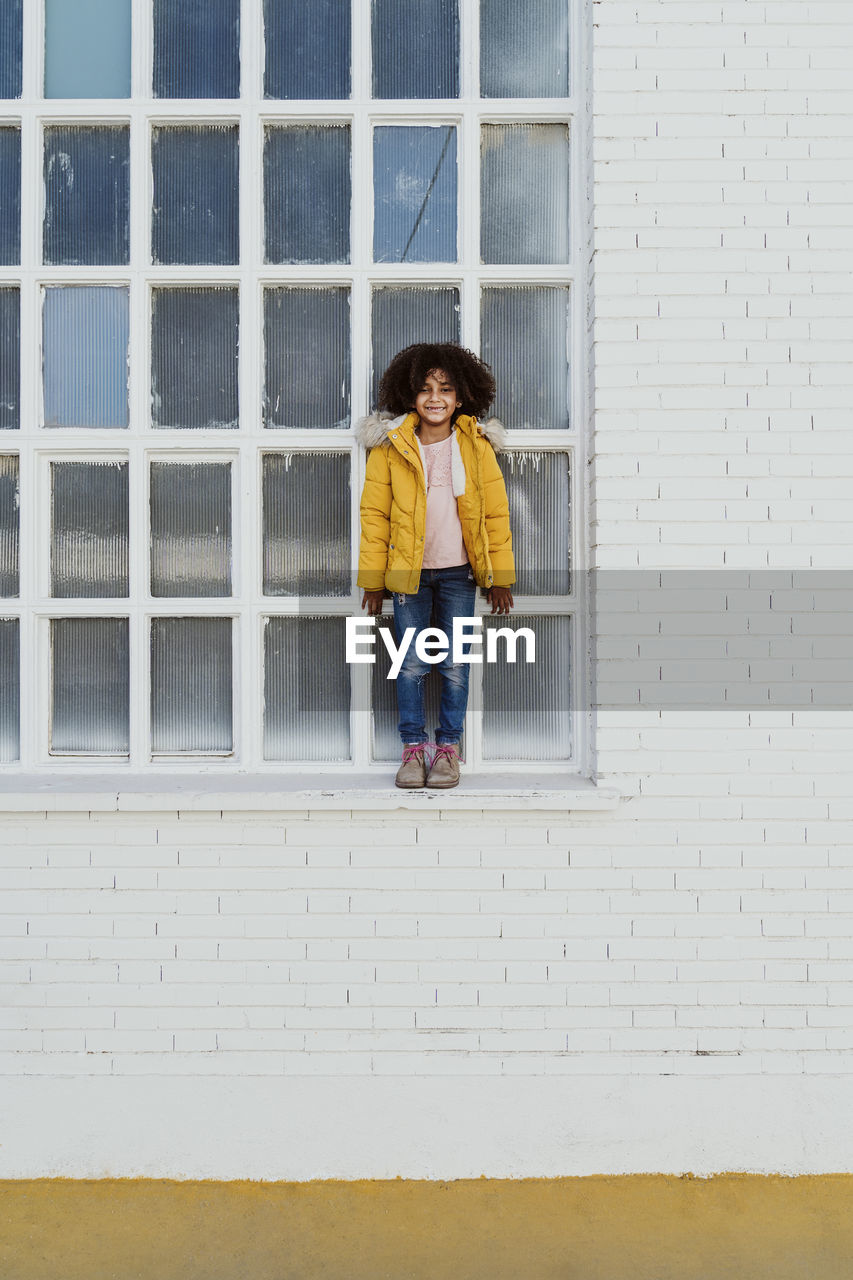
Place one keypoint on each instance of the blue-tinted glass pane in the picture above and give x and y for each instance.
(90, 703)
(524, 49)
(415, 48)
(9, 524)
(307, 193)
(197, 48)
(87, 48)
(307, 49)
(89, 529)
(526, 342)
(307, 357)
(196, 194)
(414, 180)
(10, 196)
(11, 45)
(194, 335)
(524, 193)
(86, 213)
(411, 313)
(85, 356)
(306, 524)
(10, 359)
(10, 697)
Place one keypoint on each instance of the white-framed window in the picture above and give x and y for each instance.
(205, 265)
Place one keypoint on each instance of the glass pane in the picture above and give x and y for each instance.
(306, 193)
(9, 524)
(524, 196)
(10, 204)
(196, 48)
(538, 482)
(10, 359)
(11, 46)
(306, 524)
(526, 706)
(195, 218)
(306, 690)
(10, 696)
(89, 529)
(85, 356)
(524, 49)
(307, 49)
(307, 358)
(415, 48)
(194, 342)
(383, 700)
(414, 182)
(411, 314)
(86, 212)
(190, 529)
(191, 684)
(87, 48)
(90, 685)
(526, 341)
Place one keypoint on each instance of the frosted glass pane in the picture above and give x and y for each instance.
(538, 488)
(10, 196)
(89, 529)
(415, 48)
(386, 744)
(414, 184)
(86, 211)
(307, 49)
(524, 194)
(87, 48)
(196, 48)
(306, 524)
(195, 218)
(85, 356)
(527, 706)
(307, 193)
(10, 696)
(90, 685)
(411, 314)
(10, 359)
(307, 358)
(11, 46)
(194, 343)
(524, 49)
(306, 690)
(526, 341)
(9, 524)
(190, 529)
(191, 684)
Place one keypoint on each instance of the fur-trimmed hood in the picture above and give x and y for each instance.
(376, 427)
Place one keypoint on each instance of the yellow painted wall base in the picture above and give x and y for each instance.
(639, 1227)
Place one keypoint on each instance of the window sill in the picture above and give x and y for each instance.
(27, 793)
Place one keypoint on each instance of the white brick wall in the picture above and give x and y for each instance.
(688, 956)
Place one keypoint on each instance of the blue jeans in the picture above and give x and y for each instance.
(444, 594)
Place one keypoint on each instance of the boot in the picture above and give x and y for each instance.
(445, 767)
(413, 771)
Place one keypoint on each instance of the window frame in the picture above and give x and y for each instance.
(245, 447)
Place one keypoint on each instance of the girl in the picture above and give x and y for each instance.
(434, 526)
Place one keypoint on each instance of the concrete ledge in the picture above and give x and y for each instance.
(271, 793)
(652, 1227)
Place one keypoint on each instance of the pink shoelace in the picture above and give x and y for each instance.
(445, 749)
(412, 750)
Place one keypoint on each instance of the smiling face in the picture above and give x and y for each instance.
(436, 402)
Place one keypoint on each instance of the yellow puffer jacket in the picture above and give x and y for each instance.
(393, 504)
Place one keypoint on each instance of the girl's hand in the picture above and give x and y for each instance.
(373, 600)
(500, 598)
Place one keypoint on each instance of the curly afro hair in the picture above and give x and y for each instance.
(405, 375)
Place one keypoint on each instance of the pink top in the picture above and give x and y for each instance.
(443, 545)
